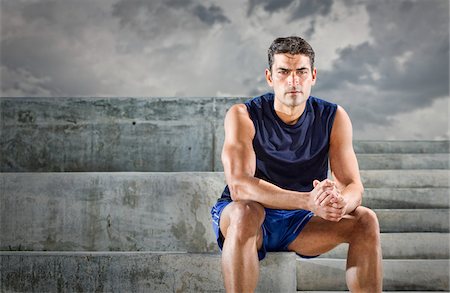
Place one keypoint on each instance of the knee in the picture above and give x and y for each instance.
(246, 218)
(367, 225)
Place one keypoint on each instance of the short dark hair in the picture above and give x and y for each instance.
(292, 45)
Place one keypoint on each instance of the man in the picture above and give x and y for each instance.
(278, 197)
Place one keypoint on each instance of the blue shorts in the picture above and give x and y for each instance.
(280, 227)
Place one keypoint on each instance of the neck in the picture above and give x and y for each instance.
(289, 114)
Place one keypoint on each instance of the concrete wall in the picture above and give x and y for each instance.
(112, 134)
(117, 211)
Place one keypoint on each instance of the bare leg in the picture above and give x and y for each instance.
(240, 224)
(364, 260)
(361, 230)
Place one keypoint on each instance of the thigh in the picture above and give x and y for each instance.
(246, 215)
(320, 236)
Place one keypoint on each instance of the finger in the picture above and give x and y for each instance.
(334, 212)
(333, 218)
(327, 183)
(338, 204)
(322, 196)
(327, 200)
(315, 183)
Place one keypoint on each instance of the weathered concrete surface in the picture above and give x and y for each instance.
(413, 220)
(402, 147)
(415, 275)
(405, 246)
(405, 178)
(150, 134)
(112, 134)
(132, 272)
(388, 161)
(108, 211)
(407, 198)
(139, 211)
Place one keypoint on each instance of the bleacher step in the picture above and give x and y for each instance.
(405, 178)
(405, 246)
(398, 146)
(132, 272)
(329, 274)
(413, 220)
(403, 161)
(407, 198)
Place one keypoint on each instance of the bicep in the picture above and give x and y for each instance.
(238, 156)
(343, 162)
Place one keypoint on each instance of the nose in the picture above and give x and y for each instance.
(293, 79)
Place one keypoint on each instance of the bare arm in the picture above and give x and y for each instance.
(239, 161)
(343, 162)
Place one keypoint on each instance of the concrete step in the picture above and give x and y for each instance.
(329, 275)
(403, 161)
(405, 178)
(135, 212)
(405, 147)
(405, 246)
(132, 272)
(413, 220)
(108, 211)
(407, 198)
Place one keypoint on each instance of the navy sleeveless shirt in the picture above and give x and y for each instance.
(291, 156)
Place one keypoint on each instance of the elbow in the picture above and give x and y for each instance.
(361, 193)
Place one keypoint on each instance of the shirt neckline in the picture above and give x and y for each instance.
(284, 124)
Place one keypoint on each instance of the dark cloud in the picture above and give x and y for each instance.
(309, 8)
(268, 5)
(131, 12)
(298, 9)
(213, 14)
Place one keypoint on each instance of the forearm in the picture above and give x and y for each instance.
(267, 194)
(353, 194)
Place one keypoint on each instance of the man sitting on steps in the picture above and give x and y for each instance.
(278, 197)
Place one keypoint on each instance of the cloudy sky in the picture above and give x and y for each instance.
(385, 61)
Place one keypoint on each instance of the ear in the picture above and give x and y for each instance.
(314, 76)
(269, 77)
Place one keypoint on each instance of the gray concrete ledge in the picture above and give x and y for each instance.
(407, 198)
(386, 161)
(405, 246)
(402, 275)
(405, 178)
(132, 272)
(402, 147)
(136, 211)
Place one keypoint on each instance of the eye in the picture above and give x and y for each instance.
(282, 71)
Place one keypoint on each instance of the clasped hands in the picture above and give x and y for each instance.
(327, 201)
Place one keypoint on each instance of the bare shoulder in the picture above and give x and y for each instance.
(237, 121)
(237, 110)
(342, 127)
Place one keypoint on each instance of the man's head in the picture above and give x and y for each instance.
(291, 45)
(291, 71)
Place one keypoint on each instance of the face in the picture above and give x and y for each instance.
(291, 79)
